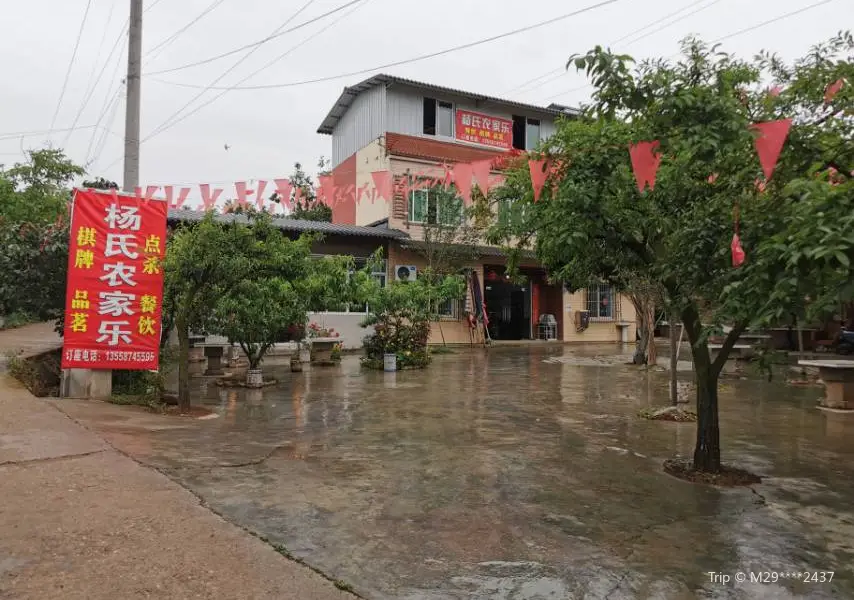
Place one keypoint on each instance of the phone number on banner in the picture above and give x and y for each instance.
(84, 356)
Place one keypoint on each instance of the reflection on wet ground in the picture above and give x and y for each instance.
(514, 473)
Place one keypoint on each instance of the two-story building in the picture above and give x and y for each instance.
(409, 128)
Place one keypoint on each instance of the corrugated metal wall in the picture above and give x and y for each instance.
(364, 122)
(406, 111)
(399, 109)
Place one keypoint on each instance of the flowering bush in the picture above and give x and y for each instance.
(316, 331)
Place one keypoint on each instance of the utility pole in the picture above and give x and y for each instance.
(134, 88)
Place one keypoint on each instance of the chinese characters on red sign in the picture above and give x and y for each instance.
(115, 282)
(483, 129)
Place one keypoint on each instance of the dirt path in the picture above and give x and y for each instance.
(81, 520)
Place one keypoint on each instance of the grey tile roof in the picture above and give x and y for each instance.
(296, 225)
(349, 94)
(480, 250)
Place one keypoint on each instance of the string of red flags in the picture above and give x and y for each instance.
(645, 162)
(462, 174)
(769, 143)
(480, 170)
(538, 176)
(383, 184)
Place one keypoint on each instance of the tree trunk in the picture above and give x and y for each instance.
(639, 357)
(651, 354)
(183, 363)
(674, 356)
(707, 451)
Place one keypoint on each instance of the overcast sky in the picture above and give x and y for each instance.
(269, 130)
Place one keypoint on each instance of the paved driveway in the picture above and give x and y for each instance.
(514, 473)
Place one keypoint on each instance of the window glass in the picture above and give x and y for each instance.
(532, 134)
(445, 119)
(600, 301)
(418, 206)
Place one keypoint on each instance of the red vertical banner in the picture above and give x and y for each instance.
(115, 282)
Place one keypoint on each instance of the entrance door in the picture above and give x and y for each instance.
(509, 308)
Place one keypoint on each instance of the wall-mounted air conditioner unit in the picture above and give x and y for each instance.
(405, 273)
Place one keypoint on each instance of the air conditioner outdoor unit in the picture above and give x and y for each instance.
(405, 273)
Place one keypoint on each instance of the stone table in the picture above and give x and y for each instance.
(321, 349)
(838, 377)
(214, 354)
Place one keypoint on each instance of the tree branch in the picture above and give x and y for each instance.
(727, 347)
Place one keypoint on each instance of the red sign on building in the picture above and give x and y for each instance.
(115, 282)
(483, 129)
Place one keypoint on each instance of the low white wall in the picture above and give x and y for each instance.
(346, 324)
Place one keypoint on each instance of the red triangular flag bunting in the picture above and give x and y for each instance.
(738, 255)
(327, 189)
(260, 200)
(240, 188)
(481, 170)
(462, 179)
(831, 90)
(175, 202)
(538, 176)
(645, 163)
(382, 181)
(283, 191)
(769, 144)
(209, 200)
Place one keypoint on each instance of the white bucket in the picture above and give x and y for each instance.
(254, 378)
(389, 363)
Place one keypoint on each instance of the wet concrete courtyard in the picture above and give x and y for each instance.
(516, 473)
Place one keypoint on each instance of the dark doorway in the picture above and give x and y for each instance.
(508, 306)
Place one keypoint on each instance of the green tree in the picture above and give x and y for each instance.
(451, 235)
(281, 283)
(306, 206)
(99, 183)
(34, 234)
(400, 314)
(204, 261)
(597, 226)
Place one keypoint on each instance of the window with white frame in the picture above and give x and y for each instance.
(434, 207)
(532, 134)
(600, 301)
(438, 117)
(444, 119)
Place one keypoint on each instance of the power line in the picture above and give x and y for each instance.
(90, 85)
(266, 66)
(166, 123)
(212, 6)
(108, 99)
(770, 21)
(558, 73)
(673, 22)
(32, 133)
(99, 147)
(720, 39)
(71, 63)
(255, 44)
(400, 62)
